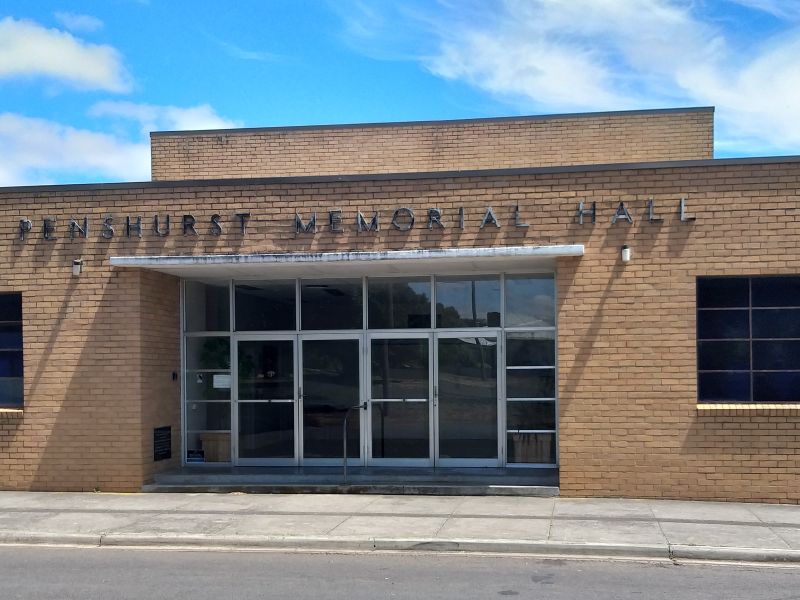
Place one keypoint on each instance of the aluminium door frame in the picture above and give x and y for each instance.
(398, 335)
(261, 337)
(490, 332)
(358, 335)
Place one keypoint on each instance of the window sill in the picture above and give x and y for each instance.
(11, 411)
(748, 408)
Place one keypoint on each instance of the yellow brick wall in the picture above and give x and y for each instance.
(440, 146)
(97, 371)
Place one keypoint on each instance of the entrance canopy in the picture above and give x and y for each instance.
(328, 264)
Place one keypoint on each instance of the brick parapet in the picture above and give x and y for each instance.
(634, 136)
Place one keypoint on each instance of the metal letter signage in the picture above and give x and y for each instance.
(402, 219)
(621, 213)
(49, 229)
(434, 218)
(157, 229)
(489, 218)
(362, 225)
(517, 219)
(584, 212)
(82, 230)
(651, 212)
(25, 226)
(300, 228)
(403, 224)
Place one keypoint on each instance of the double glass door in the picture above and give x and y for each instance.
(410, 399)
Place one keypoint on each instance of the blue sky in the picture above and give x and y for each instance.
(82, 83)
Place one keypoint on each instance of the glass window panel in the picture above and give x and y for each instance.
(532, 448)
(723, 324)
(206, 306)
(530, 301)
(208, 447)
(266, 370)
(11, 307)
(468, 302)
(266, 430)
(208, 416)
(400, 430)
(723, 356)
(530, 383)
(11, 363)
(11, 392)
(399, 368)
(724, 387)
(399, 303)
(208, 386)
(531, 349)
(330, 387)
(331, 304)
(208, 353)
(723, 292)
(776, 387)
(265, 306)
(468, 397)
(776, 291)
(776, 355)
(11, 336)
(776, 323)
(531, 415)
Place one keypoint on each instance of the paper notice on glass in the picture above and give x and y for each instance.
(222, 382)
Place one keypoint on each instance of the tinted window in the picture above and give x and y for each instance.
(776, 291)
(530, 301)
(776, 387)
(399, 303)
(723, 292)
(331, 304)
(723, 356)
(724, 387)
(723, 324)
(207, 306)
(468, 302)
(268, 306)
(776, 355)
(776, 323)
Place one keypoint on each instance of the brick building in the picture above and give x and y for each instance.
(590, 300)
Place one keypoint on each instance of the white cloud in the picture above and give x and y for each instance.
(29, 50)
(37, 151)
(152, 117)
(76, 22)
(575, 55)
(782, 9)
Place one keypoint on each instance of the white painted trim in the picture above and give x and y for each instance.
(347, 257)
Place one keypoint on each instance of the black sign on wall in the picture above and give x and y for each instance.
(162, 443)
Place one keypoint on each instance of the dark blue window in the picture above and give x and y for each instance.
(11, 382)
(748, 339)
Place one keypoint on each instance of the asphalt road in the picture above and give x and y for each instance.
(109, 574)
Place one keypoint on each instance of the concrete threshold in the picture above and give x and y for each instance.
(342, 488)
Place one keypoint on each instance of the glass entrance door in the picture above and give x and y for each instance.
(466, 399)
(330, 389)
(399, 413)
(266, 407)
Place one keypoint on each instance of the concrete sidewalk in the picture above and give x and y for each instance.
(543, 526)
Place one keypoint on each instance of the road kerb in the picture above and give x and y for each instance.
(719, 553)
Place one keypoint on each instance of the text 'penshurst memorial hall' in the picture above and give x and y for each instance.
(588, 304)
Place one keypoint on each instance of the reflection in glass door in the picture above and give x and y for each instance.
(330, 389)
(466, 386)
(399, 407)
(266, 401)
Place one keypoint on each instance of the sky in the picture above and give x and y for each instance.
(82, 83)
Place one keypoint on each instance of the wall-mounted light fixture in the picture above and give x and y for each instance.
(626, 253)
(77, 266)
